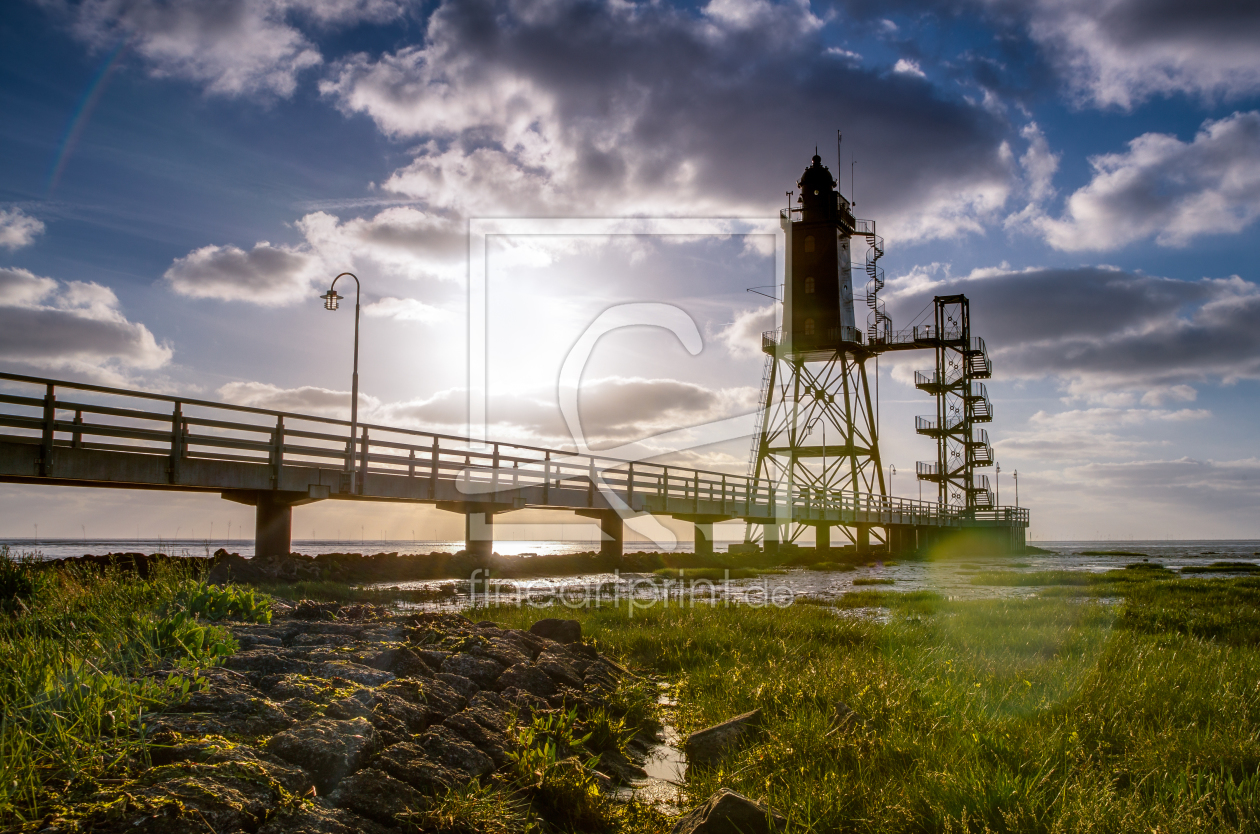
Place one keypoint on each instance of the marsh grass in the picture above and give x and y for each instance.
(85, 654)
(331, 590)
(1048, 714)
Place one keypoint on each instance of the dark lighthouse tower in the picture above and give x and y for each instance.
(817, 434)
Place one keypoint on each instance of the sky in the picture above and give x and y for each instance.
(181, 179)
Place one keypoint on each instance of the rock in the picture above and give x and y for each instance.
(527, 678)
(405, 663)
(351, 672)
(480, 670)
(411, 764)
(317, 818)
(562, 631)
(376, 794)
(559, 669)
(524, 703)
(459, 683)
(504, 651)
(266, 661)
(441, 745)
(432, 657)
(489, 741)
(727, 812)
(706, 746)
(329, 750)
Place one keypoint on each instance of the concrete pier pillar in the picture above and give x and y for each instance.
(770, 541)
(612, 540)
(704, 538)
(612, 543)
(822, 539)
(863, 539)
(479, 534)
(273, 525)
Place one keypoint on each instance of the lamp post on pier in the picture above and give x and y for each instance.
(1016, 477)
(330, 303)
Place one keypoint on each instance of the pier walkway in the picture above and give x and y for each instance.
(75, 434)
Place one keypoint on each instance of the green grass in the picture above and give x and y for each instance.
(1049, 714)
(873, 580)
(76, 647)
(1223, 567)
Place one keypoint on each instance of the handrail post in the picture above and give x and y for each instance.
(630, 487)
(50, 426)
(277, 452)
(177, 442)
(494, 474)
(411, 463)
(590, 489)
(547, 478)
(363, 461)
(77, 441)
(433, 470)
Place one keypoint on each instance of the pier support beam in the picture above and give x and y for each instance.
(704, 538)
(273, 515)
(862, 538)
(478, 526)
(479, 534)
(822, 539)
(770, 539)
(612, 540)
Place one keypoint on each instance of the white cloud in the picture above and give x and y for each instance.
(1164, 188)
(567, 109)
(742, 336)
(268, 275)
(18, 229)
(233, 47)
(73, 326)
(405, 309)
(400, 240)
(1104, 334)
(1118, 53)
(614, 410)
(907, 66)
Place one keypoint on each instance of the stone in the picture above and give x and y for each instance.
(480, 670)
(727, 812)
(352, 672)
(266, 661)
(522, 702)
(432, 658)
(405, 663)
(527, 678)
(329, 750)
(706, 746)
(318, 818)
(559, 669)
(410, 763)
(459, 683)
(504, 651)
(562, 631)
(441, 745)
(491, 742)
(376, 794)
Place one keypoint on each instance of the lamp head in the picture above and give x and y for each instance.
(330, 299)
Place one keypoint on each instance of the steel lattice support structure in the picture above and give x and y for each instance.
(961, 403)
(817, 431)
(819, 436)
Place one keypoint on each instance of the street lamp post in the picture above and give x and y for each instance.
(998, 499)
(1015, 475)
(892, 470)
(330, 303)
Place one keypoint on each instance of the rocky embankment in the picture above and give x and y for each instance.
(334, 720)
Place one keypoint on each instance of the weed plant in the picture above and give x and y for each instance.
(85, 655)
(1051, 714)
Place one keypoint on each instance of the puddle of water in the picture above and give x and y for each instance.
(665, 765)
